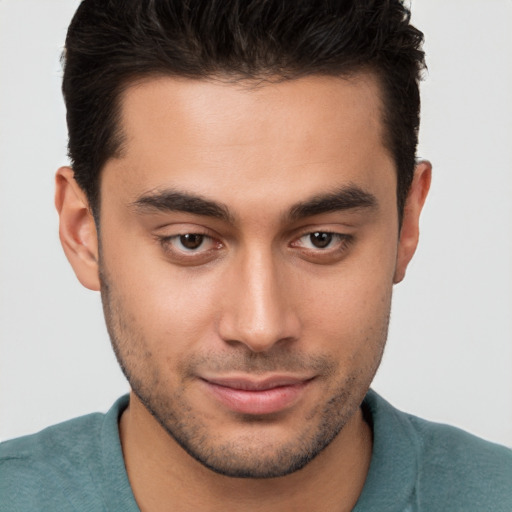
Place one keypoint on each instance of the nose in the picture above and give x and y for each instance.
(257, 309)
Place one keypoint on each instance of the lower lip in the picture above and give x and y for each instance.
(265, 401)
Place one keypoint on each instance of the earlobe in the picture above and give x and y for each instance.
(77, 230)
(409, 233)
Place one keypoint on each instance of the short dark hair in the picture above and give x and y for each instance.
(111, 43)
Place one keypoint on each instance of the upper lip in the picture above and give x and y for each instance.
(256, 384)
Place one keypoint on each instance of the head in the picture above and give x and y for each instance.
(244, 195)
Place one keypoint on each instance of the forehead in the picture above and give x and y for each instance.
(209, 135)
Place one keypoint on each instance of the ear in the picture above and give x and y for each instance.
(77, 230)
(409, 232)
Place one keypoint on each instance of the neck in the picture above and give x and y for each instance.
(163, 476)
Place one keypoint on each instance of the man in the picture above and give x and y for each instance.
(244, 193)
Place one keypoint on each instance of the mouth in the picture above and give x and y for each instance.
(247, 395)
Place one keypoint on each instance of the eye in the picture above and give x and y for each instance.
(189, 242)
(323, 247)
(321, 240)
(192, 243)
(190, 248)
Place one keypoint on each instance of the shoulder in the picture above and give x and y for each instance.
(448, 469)
(49, 444)
(39, 470)
(444, 442)
(458, 467)
(57, 468)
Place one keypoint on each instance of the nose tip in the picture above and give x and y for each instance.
(259, 338)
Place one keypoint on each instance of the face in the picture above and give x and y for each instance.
(249, 243)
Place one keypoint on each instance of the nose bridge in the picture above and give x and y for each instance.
(259, 311)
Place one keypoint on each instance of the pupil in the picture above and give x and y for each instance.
(191, 241)
(321, 240)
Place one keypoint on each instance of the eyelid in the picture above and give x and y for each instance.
(342, 230)
(339, 236)
(168, 231)
(183, 228)
(323, 256)
(165, 237)
(342, 237)
(177, 238)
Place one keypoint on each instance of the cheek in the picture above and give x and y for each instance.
(169, 307)
(348, 310)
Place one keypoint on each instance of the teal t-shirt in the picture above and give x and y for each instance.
(416, 466)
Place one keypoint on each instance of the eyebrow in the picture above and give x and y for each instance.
(349, 197)
(178, 201)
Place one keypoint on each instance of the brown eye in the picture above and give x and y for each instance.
(323, 242)
(190, 249)
(320, 240)
(191, 241)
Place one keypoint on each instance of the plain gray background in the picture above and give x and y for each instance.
(449, 355)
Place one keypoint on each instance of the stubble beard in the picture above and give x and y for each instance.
(239, 458)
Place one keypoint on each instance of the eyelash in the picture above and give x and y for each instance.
(193, 256)
(341, 238)
(188, 255)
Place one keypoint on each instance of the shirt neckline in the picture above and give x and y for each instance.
(389, 485)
